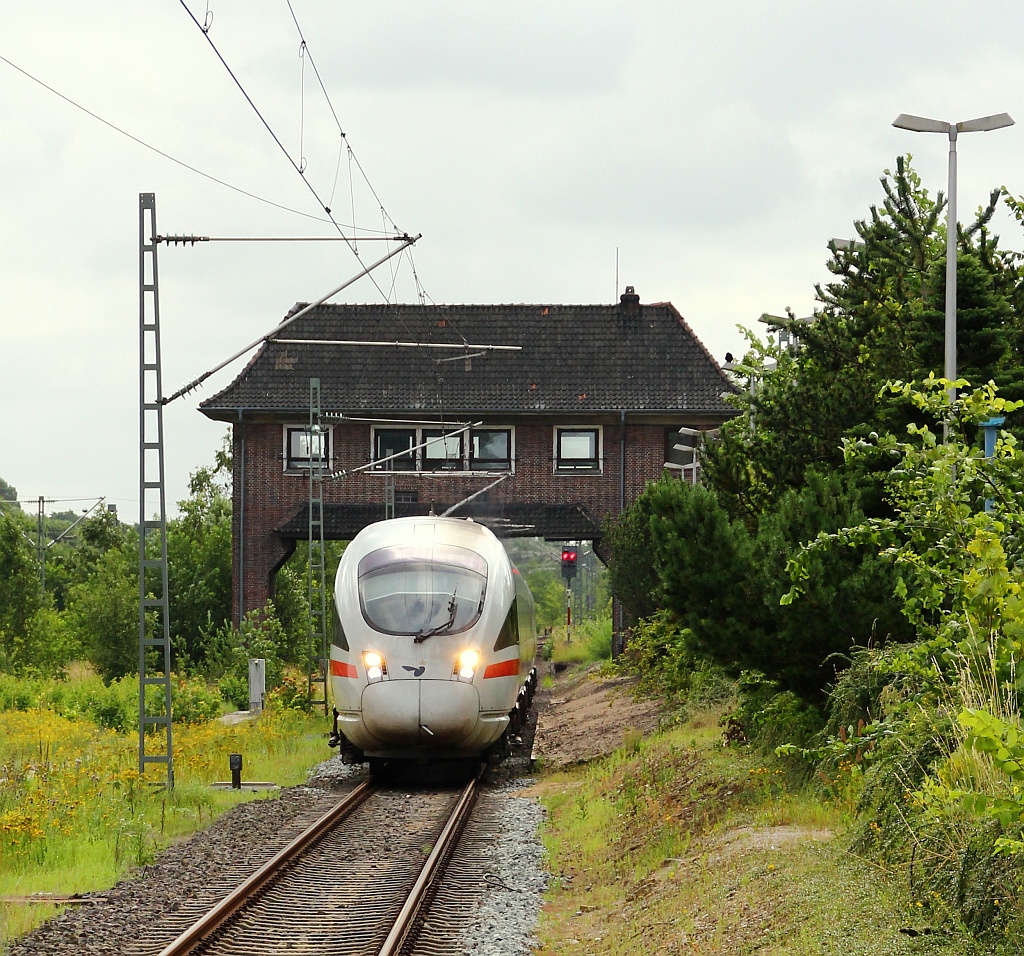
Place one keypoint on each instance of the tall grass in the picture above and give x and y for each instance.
(114, 705)
(75, 814)
(676, 843)
(589, 641)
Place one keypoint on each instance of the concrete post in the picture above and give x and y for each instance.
(257, 684)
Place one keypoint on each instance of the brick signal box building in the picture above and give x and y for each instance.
(579, 419)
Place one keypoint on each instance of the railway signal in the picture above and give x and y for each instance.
(568, 563)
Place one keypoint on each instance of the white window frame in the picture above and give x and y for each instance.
(300, 466)
(466, 439)
(446, 437)
(511, 448)
(556, 434)
(390, 465)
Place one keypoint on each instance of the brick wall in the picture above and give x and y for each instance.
(271, 495)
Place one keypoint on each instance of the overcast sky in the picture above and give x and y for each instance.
(717, 146)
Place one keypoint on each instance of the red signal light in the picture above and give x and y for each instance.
(568, 563)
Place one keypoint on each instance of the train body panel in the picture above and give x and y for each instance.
(433, 640)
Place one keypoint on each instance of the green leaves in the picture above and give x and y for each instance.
(999, 739)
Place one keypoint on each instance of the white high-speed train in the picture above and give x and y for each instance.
(433, 644)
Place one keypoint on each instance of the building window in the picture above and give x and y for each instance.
(577, 449)
(490, 449)
(395, 441)
(302, 447)
(435, 449)
(441, 452)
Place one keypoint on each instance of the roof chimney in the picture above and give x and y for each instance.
(629, 301)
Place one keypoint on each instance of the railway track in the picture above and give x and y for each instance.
(358, 881)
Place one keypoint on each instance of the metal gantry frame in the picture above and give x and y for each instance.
(154, 617)
(316, 687)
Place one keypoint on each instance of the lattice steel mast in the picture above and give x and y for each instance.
(316, 688)
(154, 617)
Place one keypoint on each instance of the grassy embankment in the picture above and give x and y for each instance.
(677, 843)
(75, 815)
(590, 640)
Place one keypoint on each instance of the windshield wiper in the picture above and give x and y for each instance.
(453, 605)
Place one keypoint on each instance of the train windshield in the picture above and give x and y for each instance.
(422, 591)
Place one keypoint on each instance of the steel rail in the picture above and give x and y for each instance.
(431, 868)
(235, 900)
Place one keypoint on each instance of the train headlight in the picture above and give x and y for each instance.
(465, 665)
(375, 666)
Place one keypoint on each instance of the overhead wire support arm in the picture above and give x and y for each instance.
(190, 240)
(78, 521)
(195, 383)
(476, 494)
(377, 462)
(404, 345)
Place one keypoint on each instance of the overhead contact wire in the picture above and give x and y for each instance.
(302, 106)
(330, 105)
(277, 140)
(159, 152)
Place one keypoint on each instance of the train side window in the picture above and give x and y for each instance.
(508, 636)
(338, 638)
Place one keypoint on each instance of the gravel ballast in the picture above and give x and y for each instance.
(146, 910)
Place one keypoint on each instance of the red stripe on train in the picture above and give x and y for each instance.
(343, 669)
(502, 669)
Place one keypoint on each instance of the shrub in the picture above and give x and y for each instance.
(260, 635)
(193, 700)
(114, 706)
(106, 613)
(659, 654)
(771, 717)
(292, 693)
(596, 633)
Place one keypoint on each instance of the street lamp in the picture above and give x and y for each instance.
(920, 124)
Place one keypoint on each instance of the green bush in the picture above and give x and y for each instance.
(722, 585)
(118, 706)
(50, 645)
(260, 635)
(847, 599)
(115, 705)
(292, 692)
(659, 653)
(596, 633)
(19, 693)
(771, 717)
(193, 700)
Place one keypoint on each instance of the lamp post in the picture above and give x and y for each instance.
(920, 124)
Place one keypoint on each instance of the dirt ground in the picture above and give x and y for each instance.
(583, 716)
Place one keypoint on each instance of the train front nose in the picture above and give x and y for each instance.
(420, 713)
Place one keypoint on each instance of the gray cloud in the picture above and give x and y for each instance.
(717, 146)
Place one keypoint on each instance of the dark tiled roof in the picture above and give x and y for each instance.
(573, 358)
(566, 522)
